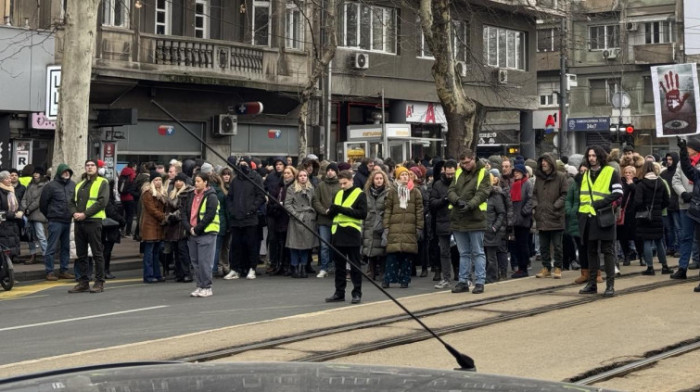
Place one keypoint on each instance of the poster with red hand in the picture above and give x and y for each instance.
(675, 99)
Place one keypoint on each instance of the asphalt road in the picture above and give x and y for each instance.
(45, 320)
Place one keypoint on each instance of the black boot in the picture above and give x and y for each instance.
(423, 272)
(591, 287)
(649, 271)
(303, 271)
(296, 271)
(680, 274)
(609, 287)
(438, 275)
(665, 270)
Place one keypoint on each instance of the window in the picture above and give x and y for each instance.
(163, 25)
(546, 92)
(460, 41)
(261, 23)
(602, 90)
(201, 18)
(116, 13)
(504, 48)
(658, 32)
(648, 90)
(548, 40)
(369, 27)
(604, 37)
(295, 27)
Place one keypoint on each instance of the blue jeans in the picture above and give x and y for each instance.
(299, 256)
(660, 252)
(151, 261)
(470, 245)
(685, 240)
(672, 230)
(59, 233)
(324, 252)
(40, 237)
(217, 251)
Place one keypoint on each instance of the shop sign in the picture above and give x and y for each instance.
(545, 119)
(594, 124)
(22, 155)
(426, 113)
(53, 86)
(166, 130)
(40, 121)
(109, 156)
(274, 133)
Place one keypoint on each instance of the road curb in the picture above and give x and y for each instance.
(123, 264)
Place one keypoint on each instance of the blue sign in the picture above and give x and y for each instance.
(593, 124)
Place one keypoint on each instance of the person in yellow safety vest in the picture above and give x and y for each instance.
(87, 206)
(200, 218)
(468, 194)
(348, 210)
(600, 188)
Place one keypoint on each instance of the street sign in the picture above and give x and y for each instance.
(248, 108)
(589, 124)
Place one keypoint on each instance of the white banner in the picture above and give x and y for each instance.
(675, 99)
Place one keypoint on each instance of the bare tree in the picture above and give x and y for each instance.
(71, 136)
(321, 55)
(464, 114)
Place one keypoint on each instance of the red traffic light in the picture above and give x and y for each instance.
(629, 129)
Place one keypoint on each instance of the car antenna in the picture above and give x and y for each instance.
(465, 362)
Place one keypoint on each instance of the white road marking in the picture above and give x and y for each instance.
(82, 318)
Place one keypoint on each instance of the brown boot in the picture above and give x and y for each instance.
(583, 278)
(51, 276)
(65, 275)
(98, 287)
(599, 279)
(81, 287)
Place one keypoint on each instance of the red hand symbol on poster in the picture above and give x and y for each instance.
(674, 101)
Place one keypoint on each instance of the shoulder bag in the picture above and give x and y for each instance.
(645, 214)
(605, 215)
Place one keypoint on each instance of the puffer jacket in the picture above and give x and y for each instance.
(31, 200)
(522, 210)
(244, 199)
(55, 199)
(548, 196)
(373, 225)
(571, 205)
(496, 219)
(650, 192)
(403, 223)
(465, 188)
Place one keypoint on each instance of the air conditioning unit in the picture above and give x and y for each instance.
(610, 54)
(632, 26)
(225, 125)
(461, 68)
(502, 76)
(360, 61)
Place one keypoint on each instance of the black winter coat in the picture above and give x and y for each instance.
(643, 195)
(244, 199)
(347, 236)
(360, 178)
(439, 206)
(209, 212)
(496, 219)
(668, 176)
(9, 230)
(595, 232)
(693, 175)
(55, 200)
(111, 233)
(627, 231)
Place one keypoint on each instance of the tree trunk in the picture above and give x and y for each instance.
(320, 58)
(71, 138)
(464, 115)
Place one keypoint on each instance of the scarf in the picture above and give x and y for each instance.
(404, 195)
(375, 192)
(516, 190)
(11, 198)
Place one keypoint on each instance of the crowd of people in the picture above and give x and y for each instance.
(469, 221)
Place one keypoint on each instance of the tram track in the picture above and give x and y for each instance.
(420, 335)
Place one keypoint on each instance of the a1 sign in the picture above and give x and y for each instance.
(249, 108)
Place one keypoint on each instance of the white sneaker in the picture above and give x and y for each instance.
(443, 284)
(196, 293)
(206, 293)
(231, 275)
(322, 274)
(251, 274)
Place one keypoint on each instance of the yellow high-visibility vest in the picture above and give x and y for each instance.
(344, 220)
(479, 178)
(600, 188)
(94, 193)
(214, 225)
